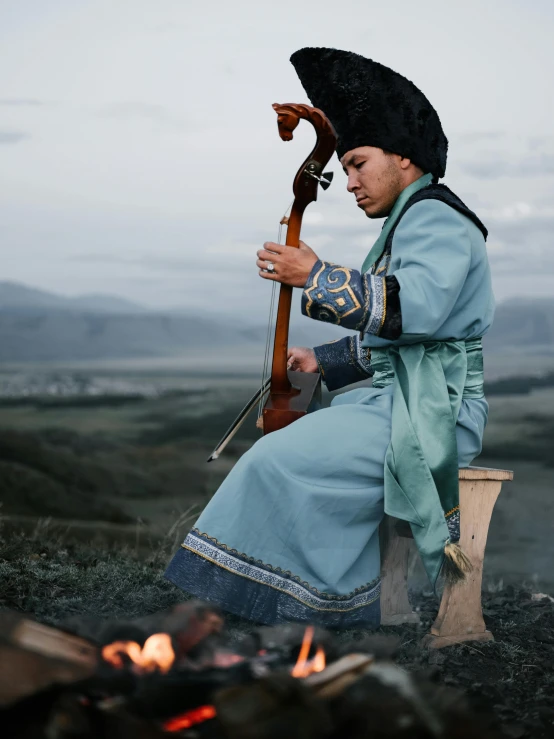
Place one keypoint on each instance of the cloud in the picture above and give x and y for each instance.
(498, 165)
(13, 137)
(170, 27)
(152, 112)
(21, 102)
(540, 142)
(473, 137)
(521, 212)
(527, 234)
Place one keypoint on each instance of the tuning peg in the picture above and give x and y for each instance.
(326, 179)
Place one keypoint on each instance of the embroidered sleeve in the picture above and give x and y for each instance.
(353, 300)
(343, 362)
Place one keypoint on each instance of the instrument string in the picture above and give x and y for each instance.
(269, 333)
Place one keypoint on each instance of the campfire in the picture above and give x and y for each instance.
(155, 655)
(180, 673)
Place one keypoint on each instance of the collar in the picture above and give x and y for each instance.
(377, 248)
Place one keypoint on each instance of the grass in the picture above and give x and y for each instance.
(54, 579)
(118, 458)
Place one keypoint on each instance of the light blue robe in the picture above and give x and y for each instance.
(292, 533)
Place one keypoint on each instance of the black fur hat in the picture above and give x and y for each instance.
(371, 105)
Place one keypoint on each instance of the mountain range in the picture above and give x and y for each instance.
(15, 297)
(36, 325)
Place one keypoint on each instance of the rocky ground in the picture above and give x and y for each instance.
(514, 675)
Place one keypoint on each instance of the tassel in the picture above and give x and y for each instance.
(456, 563)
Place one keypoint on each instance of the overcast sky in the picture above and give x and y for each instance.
(139, 152)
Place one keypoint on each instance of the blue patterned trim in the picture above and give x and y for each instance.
(363, 357)
(336, 295)
(264, 594)
(345, 297)
(241, 564)
(378, 305)
(453, 523)
(343, 362)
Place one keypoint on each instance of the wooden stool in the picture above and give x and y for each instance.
(460, 616)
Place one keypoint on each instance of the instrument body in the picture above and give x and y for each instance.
(293, 394)
(284, 408)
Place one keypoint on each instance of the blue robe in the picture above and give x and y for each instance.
(292, 533)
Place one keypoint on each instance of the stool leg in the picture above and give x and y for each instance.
(460, 616)
(395, 553)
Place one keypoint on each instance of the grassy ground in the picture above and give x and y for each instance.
(102, 459)
(55, 579)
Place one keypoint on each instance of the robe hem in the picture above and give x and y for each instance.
(213, 549)
(263, 596)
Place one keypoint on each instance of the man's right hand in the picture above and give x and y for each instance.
(302, 359)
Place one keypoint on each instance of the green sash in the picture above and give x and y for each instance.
(421, 464)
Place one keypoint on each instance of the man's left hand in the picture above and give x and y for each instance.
(291, 266)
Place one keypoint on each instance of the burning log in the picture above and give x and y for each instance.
(339, 675)
(190, 623)
(40, 656)
(156, 654)
(193, 627)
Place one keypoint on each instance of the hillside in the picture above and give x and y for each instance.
(36, 325)
(15, 297)
(62, 335)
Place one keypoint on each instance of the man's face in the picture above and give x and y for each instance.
(374, 177)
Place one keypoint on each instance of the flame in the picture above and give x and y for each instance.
(305, 666)
(156, 655)
(190, 718)
(319, 662)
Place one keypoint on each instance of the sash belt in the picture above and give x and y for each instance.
(421, 465)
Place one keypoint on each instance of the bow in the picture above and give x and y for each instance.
(291, 393)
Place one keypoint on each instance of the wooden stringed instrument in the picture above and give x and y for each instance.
(292, 393)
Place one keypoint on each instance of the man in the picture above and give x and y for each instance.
(292, 533)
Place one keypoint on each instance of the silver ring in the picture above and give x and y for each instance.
(270, 267)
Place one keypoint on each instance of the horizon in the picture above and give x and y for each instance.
(207, 313)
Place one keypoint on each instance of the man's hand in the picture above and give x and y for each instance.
(291, 266)
(302, 359)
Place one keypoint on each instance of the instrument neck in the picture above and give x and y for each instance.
(279, 377)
